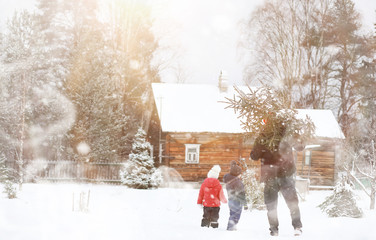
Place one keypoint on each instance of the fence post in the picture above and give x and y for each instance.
(78, 170)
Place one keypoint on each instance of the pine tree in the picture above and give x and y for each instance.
(351, 50)
(10, 189)
(4, 171)
(342, 203)
(254, 190)
(34, 115)
(109, 82)
(139, 171)
(266, 111)
(7, 178)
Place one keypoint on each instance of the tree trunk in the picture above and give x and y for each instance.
(372, 195)
(20, 160)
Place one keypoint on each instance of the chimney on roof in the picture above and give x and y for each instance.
(223, 81)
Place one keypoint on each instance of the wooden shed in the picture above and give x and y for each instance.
(197, 131)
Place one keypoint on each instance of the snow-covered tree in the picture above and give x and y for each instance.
(7, 178)
(10, 189)
(101, 120)
(34, 115)
(4, 171)
(103, 66)
(129, 34)
(342, 202)
(352, 49)
(254, 190)
(359, 162)
(360, 146)
(110, 76)
(139, 171)
(293, 57)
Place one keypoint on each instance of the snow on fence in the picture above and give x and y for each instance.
(44, 170)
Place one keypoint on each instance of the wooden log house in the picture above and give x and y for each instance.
(198, 131)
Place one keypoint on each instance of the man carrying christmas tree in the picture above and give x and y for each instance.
(274, 149)
(270, 112)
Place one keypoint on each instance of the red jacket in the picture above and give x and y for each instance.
(211, 193)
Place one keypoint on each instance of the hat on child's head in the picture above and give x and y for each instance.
(235, 170)
(214, 172)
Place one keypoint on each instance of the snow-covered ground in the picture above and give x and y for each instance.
(45, 212)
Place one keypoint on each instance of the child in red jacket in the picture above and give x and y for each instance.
(211, 195)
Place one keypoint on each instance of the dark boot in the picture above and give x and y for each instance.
(205, 222)
(214, 224)
(273, 231)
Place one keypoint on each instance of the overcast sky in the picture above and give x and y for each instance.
(204, 33)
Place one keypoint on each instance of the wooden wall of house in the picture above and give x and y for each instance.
(223, 148)
(321, 171)
(214, 149)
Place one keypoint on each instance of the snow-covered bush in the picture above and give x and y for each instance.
(139, 171)
(254, 190)
(4, 172)
(10, 189)
(342, 203)
(6, 179)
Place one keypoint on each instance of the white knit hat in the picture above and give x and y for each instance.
(214, 172)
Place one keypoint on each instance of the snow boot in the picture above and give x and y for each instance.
(298, 232)
(214, 224)
(232, 228)
(273, 232)
(205, 223)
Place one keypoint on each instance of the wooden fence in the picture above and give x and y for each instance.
(63, 171)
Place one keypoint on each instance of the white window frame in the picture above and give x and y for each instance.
(307, 157)
(192, 153)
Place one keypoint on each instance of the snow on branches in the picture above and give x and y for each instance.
(342, 202)
(139, 171)
(263, 110)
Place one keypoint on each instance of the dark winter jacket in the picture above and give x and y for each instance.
(274, 163)
(235, 188)
(211, 193)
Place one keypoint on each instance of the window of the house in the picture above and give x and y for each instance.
(192, 153)
(307, 158)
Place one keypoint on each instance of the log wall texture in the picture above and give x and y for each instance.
(221, 149)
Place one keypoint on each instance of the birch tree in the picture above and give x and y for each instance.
(273, 38)
(33, 112)
(358, 167)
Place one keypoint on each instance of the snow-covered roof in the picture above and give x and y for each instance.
(201, 108)
(325, 122)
